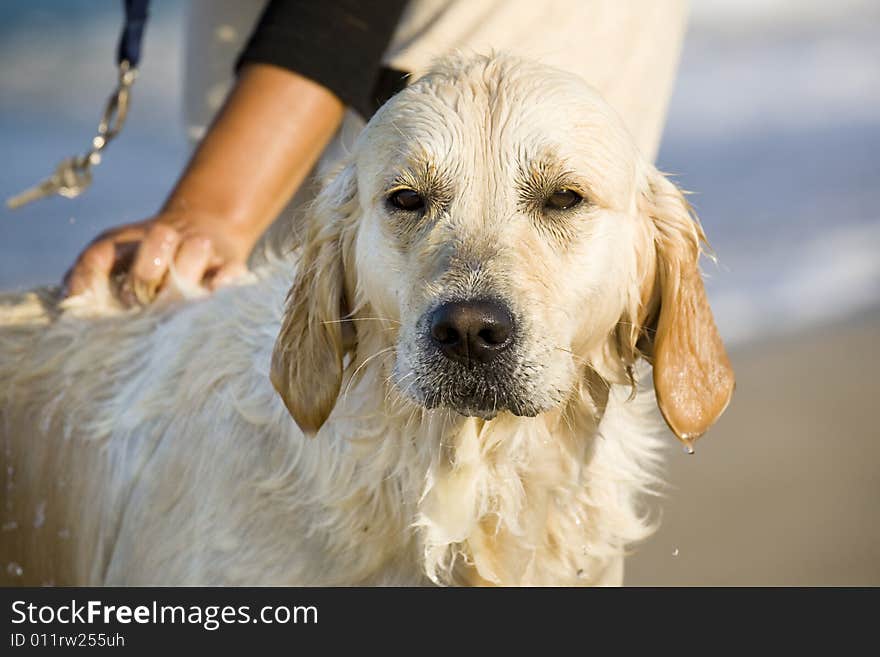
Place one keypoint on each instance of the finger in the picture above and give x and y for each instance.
(191, 262)
(152, 261)
(91, 269)
(132, 233)
(227, 274)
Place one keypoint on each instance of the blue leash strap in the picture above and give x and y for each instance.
(136, 12)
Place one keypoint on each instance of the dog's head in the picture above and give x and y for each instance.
(498, 222)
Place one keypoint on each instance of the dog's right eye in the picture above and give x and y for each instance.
(407, 199)
(563, 199)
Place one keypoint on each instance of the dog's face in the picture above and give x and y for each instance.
(498, 228)
(499, 216)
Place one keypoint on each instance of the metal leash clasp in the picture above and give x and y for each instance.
(74, 174)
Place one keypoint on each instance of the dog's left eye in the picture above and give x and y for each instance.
(407, 199)
(563, 199)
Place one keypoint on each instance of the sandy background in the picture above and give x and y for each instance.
(785, 490)
(775, 124)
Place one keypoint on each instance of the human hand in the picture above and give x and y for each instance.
(136, 262)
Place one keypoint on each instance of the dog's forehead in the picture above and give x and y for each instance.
(515, 109)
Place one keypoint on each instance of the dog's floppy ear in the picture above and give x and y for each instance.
(307, 362)
(693, 378)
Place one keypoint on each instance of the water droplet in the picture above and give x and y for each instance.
(225, 33)
(40, 515)
(10, 525)
(14, 569)
(688, 445)
(675, 552)
(157, 262)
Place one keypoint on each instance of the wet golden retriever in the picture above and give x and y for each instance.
(458, 391)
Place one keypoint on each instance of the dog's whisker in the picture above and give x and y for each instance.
(586, 363)
(364, 364)
(391, 388)
(360, 319)
(574, 356)
(569, 421)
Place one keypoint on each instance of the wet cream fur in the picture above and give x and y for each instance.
(150, 447)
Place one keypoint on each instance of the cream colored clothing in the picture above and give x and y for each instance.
(627, 49)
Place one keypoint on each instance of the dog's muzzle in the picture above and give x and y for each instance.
(469, 359)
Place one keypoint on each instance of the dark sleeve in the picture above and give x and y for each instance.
(337, 43)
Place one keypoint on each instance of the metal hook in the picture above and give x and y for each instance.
(74, 174)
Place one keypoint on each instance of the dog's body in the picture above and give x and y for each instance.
(142, 457)
(150, 447)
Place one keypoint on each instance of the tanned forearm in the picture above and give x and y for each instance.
(268, 136)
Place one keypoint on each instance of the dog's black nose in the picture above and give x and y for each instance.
(471, 330)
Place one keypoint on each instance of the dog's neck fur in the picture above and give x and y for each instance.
(511, 501)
